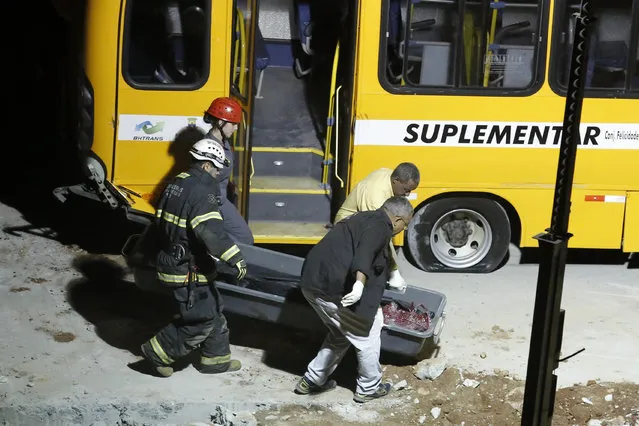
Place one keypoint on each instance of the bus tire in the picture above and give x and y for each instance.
(461, 234)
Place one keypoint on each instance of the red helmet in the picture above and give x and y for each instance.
(225, 109)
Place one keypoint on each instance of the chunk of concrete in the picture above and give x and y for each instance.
(429, 368)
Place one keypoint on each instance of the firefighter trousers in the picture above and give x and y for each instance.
(202, 325)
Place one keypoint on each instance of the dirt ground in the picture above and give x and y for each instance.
(497, 400)
(78, 335)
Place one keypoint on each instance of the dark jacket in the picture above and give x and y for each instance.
(189, 228)
(225, 172)
(359, 243)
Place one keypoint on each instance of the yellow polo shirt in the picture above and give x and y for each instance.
(369, 194)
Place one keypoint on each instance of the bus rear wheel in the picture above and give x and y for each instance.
(459, 235)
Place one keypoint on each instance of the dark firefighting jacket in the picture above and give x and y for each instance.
(190, 230)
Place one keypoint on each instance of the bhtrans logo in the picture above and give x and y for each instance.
(492, 134)
(148, 129)
(156, 128)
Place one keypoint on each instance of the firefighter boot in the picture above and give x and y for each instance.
(218, 364)
(150, 354)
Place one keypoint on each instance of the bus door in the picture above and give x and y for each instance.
(174, 62)
(335, 32)
(343, 93)
(244, 21)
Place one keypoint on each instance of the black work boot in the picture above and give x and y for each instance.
(163, 369)
(218, 364)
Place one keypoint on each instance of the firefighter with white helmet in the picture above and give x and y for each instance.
(210, 150)
(190, 232)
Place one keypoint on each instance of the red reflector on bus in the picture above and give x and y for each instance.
(595, 198)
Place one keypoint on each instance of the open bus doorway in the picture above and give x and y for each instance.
(293, 123)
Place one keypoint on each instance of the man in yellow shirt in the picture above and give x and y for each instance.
(371, 193)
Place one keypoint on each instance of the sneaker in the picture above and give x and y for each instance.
(382, 390)
(162, 369)
(205, 367)
(306, 387)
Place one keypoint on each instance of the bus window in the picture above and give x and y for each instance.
(166, 42)
(463, 44)
(611, 33)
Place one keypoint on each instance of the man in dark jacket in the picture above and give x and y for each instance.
(343, 279)
(190, 234)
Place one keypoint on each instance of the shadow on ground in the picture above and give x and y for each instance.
(125, 316)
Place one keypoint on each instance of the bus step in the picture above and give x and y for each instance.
(304, 162)
(287, 232)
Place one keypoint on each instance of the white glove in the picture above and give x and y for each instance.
(354, 295)
(396, 281)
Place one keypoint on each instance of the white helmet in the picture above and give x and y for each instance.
(210, 150)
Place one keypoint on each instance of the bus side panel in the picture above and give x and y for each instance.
(100, 59)
(593, 221)
(596, 219)
(631, 223)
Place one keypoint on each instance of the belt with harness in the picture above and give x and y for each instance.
(178, 252)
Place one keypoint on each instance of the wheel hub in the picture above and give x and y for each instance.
(461, 238)
(457, 232)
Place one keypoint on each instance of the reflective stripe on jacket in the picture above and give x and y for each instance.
(190, 228)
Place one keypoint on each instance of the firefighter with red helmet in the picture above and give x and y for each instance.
(224, 115)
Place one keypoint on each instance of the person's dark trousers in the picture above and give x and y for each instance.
(203, 324)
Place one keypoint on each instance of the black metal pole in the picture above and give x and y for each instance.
(548, 318)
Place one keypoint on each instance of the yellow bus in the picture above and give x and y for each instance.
(471, 91)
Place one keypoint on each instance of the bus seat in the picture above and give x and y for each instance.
(262, 59)
(305, 30)
(194, 22)
(395, 23)
(514, 41)
(174, 67)
(394, 57)
(590, 66)
(611, 54)
(607, 58)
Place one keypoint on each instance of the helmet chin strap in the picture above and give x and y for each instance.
(219, 126)
(216, 128)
